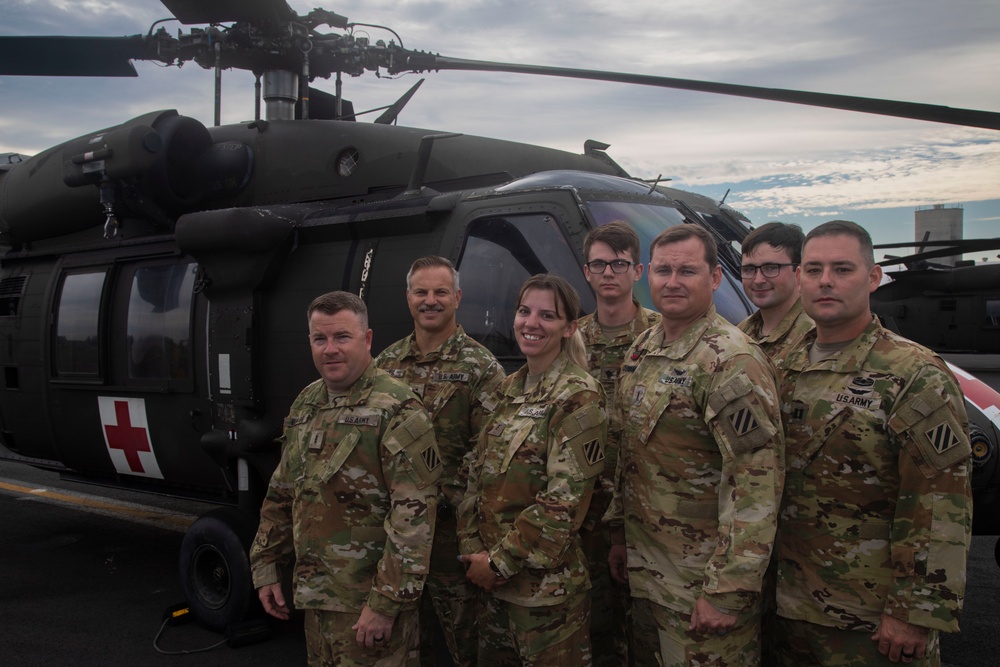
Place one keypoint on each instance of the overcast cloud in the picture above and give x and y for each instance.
(780, 161)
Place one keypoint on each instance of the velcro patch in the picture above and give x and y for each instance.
(534, 413)
(593, 451)
(942, 437)
(358, 420)
(451, 377)
(743, 421)
(430, 457)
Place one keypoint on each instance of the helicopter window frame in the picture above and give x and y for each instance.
(167, 359)
(488, 232)
(83, 315)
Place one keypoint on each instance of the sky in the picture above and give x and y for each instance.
(777, 161)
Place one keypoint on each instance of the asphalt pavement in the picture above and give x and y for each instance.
(88, 578)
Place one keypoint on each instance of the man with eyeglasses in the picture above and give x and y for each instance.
(771, 254)
(612, 269)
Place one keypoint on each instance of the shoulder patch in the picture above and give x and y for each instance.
(430, 457)
(743, 421)
(593, 451)
(942, 437)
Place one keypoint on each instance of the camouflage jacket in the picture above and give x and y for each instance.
(536, 461)
(604, 359)
(452, 381)
(700, 466)
(877, 509)
(605, 355)
(353, 499)
(784, 337)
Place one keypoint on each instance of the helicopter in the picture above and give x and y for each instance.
(154, 274)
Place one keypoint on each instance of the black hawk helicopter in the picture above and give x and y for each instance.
(154, 275)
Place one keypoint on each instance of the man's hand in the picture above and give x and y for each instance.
(708, 620)
(899, 640)
(618, 562)
(374, 629)
(480, 573)
(273, 601)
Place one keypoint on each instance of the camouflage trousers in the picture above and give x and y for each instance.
(330, 641)
(449, 602)
(805, 644)
(511, 635)
(610, 603)
(662, 639)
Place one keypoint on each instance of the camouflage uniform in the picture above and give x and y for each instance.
(783, 337)
(776, 346)
(699, 481)
(877, 509)
(353, 502)
(452, 381)
(609, 613)
(536, 461)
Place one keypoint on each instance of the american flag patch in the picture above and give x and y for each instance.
(431, 457)
(743, 421)
(942, 438)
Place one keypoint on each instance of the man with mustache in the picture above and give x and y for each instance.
(612, 268)
(454, 376)
(875, 521)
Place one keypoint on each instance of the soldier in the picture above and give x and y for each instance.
(699, 470)
(875, 521)
(352, 501)
(536, 461)
(612, 269)
(452, 374)
(771, 253)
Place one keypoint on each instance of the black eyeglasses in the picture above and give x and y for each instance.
(617, 265)
(748, 271)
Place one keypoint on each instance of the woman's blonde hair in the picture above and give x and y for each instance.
(568, 301)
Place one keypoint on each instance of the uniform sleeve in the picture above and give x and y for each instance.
(745, 418)
(467, 513)
(273, 546)
(545, 530)
(614, 517)
(411, 465)
(932, 526)
(480, 406)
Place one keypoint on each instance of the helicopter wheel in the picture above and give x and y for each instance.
(215, 568)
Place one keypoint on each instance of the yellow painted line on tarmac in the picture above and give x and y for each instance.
(134, 512)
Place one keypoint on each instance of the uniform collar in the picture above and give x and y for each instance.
(851, 359)
(550, 379)
(681, 347)
(447, 351)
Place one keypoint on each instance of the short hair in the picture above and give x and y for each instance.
(568, 299)
(332, 303)
(618, 235)
(683, 232)
(430, 262)
(779, 235)
(845, 228)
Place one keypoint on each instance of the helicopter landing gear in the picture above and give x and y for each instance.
(215, 568)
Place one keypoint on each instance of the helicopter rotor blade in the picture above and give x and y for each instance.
(71, 56)
(916, 111)
(193, 12)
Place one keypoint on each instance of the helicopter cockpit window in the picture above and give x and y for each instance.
(500, 254)
(77, 326)
(648, 220)
(159, 322)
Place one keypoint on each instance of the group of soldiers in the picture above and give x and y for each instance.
(792, 491)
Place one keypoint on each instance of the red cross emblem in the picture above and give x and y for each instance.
(127, 436)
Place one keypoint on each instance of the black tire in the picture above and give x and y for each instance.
(215, 568)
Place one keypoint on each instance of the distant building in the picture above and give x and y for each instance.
(944, 224)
